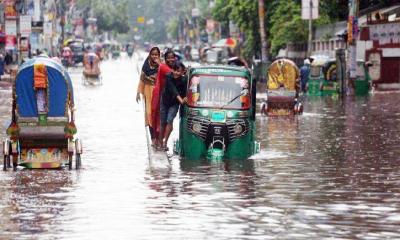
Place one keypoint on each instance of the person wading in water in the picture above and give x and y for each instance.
(147, 81)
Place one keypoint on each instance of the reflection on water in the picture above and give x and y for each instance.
(34, 202)
(333, 172)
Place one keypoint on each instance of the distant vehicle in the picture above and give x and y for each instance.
(77, 47)
(323, 80)
(282, 89)
(215, 56)
(91, 69)
(195, 54)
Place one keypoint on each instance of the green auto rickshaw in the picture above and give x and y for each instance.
(218, 121)
(323, 80)
(318, 84)
(361, 84)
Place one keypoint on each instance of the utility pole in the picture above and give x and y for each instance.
(263, 35)
(352, 35)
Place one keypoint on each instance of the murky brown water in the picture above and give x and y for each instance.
(332, 173)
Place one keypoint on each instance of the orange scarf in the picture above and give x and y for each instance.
(40, 76)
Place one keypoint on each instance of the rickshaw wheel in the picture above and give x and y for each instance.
(77, 161)
(70, 161)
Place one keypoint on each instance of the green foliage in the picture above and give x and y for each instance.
(111, 15)
(172, 27)
(287, 25)
(283, 21)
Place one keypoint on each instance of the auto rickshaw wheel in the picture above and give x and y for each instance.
(77, 161)
(70, 161)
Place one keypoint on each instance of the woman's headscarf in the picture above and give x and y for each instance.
(148, 68)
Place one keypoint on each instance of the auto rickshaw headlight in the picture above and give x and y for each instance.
(205, 113)
(196, 127)
(238, 129)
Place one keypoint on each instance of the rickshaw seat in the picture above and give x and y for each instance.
(39, 132)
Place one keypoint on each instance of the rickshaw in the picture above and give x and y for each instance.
(91, 68)
(77, 47)
(218, 122)
(283, 88)
(42, 129)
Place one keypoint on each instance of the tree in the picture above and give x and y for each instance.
(111, 15)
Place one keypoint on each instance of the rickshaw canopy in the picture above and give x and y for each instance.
(283, 73)
(60, 90)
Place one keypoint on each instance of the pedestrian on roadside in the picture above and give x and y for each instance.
(304, 75)
(173, 94)
(147, 81)
(163, 70)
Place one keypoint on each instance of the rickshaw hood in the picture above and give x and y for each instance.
(59, 88)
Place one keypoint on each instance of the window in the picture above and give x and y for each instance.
(219, 91)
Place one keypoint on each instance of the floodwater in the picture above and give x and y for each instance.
(333, 172)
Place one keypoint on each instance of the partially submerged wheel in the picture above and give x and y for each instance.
(78, 152)
(77, 161)
(70, 161)
(6, 152)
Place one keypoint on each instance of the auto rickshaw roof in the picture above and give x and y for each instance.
(319, 60)
(221, 70)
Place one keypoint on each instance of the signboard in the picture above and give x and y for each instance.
(25, 25)
(10, 42)
(195, 12)
(210, 26)
(150, 21)
(48, 29)
(352, 65)
(36, 11)
(140, 19)
(307, 6)
(9, 9)
(11, 27)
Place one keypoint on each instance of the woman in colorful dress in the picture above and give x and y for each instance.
(146, 85)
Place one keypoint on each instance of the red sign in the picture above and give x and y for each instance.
(9, 9)
(11, 42)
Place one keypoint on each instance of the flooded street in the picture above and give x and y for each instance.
(333, 172)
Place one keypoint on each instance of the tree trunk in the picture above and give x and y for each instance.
(263, 35)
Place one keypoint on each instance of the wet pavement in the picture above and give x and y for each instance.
(333, 172)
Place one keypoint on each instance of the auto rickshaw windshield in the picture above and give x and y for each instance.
(219, 92)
